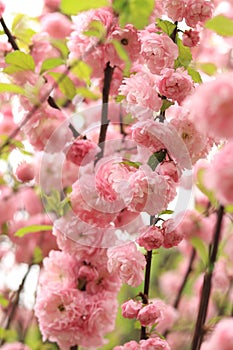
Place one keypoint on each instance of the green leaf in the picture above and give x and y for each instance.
(119, 98)
(156, 158)
(3, 301)
(136, 12)
(8, 334)
(22, 29)
(122, 53)
(185, 55)
(195, 75)
(61, 46)
(4, 87)
(200, 184)
(208, 67)
(221, 25)
(166, 104)
(130, 163)
(65, 84)
(51, 63)
(166, 26)
(19, 61)
(32, 229)
(97, 29)
(201, 249)
(83, 71)
(72, 7)
(37, 255)
(86, 93)
(167, 212)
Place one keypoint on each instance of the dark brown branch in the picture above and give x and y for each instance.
(10, 37)
(206, 289)
(146, 287)
(108, 72)
(185, 279)
(15, 302)
(75, 347)
(173, 34)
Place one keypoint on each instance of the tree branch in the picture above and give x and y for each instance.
(15, 302)
(108, 72)
(11, 39)
(185, 279)
(206, 289)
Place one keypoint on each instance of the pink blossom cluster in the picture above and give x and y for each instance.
(194, 12)
(148, 344)
(76, 301)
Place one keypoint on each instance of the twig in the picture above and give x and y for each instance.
(11, 39)
(206, 289)
(108, 72)
(185, 279)
(16, 301)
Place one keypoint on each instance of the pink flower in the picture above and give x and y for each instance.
(219, 177)
(141, 95)
(198, 12)
(58, 271)
(82, 152)
(150, 237)
(128, 262)
(41, 48)
(25, 172)
(148, 315)
(2, 8)
(52, 4)
(175, 9)
(172, 236)
(215, 118)
(132, 345)
(175, 84)
(56, 25)
(79, 43)
(71, 317)
(149, 191)
(222, 336)
(111, 179)
(128, 37)
(131, 308)
(158, 50)
(190, 38)
(7, 204)
(198, 143)
(147, 134)
(154, 344)
(169, 169)
(89, 206)
(14, 346)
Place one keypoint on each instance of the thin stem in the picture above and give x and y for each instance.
(185, 279)
(108, 72)
(206, 289)
(145, 295)
(16, 302)
(11, 39)
(146, 287)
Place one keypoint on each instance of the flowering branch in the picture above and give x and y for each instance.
(206, 289)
